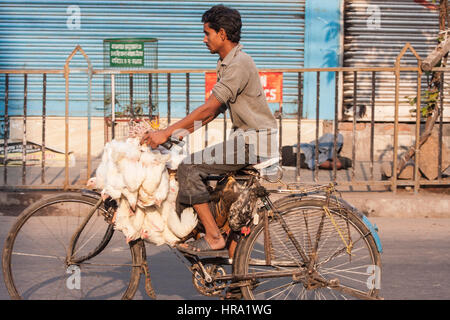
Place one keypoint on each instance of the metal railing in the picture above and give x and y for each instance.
(394, 182)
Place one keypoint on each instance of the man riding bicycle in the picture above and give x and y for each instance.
(254, 134)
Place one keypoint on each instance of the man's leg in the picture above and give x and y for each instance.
(212, 232)
(193, 193)
(328, 165)
(193, 190)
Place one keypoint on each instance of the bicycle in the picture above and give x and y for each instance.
(309, 244)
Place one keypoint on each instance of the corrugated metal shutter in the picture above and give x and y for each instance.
(40, 34)
(375, 33)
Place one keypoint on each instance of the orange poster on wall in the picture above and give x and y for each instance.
(272, 83)
(210, 81)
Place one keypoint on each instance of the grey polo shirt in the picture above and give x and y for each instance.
(239, 89)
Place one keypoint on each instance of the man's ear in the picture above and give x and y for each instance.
(223, 34)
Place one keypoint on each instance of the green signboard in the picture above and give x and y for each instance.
(126, 54)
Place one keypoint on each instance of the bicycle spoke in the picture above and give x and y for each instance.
(287, 295)
(343, 253)
(52, 233)
(276, 288)
(87, 241)
(349, 278)
(302, 294)
(37, 255)
(287, 250)
(349, 270)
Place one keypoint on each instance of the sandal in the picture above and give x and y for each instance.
(200, 247)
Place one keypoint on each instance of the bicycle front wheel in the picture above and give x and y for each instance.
(345, 261)
(35, 256)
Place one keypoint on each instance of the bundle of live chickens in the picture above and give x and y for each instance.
(137, 178)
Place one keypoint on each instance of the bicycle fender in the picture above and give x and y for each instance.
(372, 227)
(90, 193)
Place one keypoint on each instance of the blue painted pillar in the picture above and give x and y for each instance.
(322, 30)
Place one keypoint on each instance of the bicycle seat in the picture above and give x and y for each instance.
(268, 164)
(269, 169)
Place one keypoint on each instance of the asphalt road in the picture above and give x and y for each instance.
(415, 259)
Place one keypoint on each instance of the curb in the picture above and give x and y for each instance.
(372, 204)
(426, 205)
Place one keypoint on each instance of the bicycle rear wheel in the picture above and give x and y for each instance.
(329, 236)
(35, 264)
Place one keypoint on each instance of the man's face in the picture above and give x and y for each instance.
(213, 40)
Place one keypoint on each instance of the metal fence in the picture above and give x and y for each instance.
(43, 179)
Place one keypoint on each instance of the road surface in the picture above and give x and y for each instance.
(415, 262)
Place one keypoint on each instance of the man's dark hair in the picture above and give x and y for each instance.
(229, 19)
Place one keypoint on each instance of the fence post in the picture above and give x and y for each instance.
(397, 86)
(299, 122)
(417, 145)
(6, 131)
(66, 117)
(24, 138)
(44, 112)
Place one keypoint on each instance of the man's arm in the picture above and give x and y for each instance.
(205, 113)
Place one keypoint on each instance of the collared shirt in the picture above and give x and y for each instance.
(239, 89)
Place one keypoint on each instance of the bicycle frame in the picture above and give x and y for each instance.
(301, 271)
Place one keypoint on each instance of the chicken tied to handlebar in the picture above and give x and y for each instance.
(142, 183)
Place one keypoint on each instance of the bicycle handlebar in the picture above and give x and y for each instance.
(169, 143)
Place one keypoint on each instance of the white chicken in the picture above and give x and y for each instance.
(123, 222)
(137, 220)
(99, 180)
(154, 164)
(132, 197)
(167, 207)
(132, 171)
(153, 170)
(161, 192)
(181, 227)
(169, 237)
(137, 178)
(133, 175)
(153, 227)
(107, 175)
(169, 204)
(144, 199)
(118, 150)
(113, 183)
